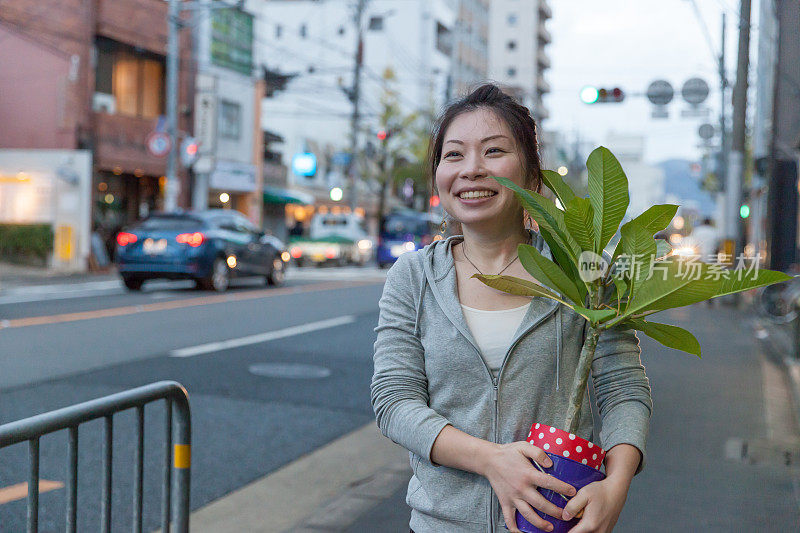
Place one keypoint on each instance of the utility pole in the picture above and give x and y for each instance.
(355, 95)
(723, 131)
(173, 49)
(735, 226)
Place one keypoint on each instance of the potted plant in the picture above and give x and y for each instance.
(638, 279)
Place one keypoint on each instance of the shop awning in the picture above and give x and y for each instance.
(276, 195)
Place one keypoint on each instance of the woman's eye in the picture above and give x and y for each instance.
(496, 150)
(451, 154)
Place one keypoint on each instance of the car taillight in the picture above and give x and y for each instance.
(330, 253)
(192, 239)
(124, 238)
(296, 252)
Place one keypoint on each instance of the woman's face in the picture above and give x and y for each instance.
(477, 145)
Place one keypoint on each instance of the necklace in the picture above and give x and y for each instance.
(464, 249)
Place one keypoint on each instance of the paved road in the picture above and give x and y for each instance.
(245, 424)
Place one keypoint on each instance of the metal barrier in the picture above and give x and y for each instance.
(31, 429)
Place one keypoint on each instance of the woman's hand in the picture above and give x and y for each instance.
(514, 479)
(601, 501)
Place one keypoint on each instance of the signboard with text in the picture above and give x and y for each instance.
(232, 40)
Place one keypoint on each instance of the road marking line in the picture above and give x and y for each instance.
(176, 304)
(20, 490)
(262, 337)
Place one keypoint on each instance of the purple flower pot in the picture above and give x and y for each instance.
(576, 474)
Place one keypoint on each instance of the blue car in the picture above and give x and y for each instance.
(402, 232)
(209, 247)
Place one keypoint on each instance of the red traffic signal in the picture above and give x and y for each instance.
(381, 135)
(593, 95)
(610, 96)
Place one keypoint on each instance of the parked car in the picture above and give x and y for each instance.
(338, 238)
(209, 247)
(404, 231)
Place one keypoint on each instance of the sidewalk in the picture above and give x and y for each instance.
(16, 276)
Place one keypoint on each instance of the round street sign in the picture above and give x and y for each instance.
(706, 131)
(158, 143)
(660, 92)
(695, 91)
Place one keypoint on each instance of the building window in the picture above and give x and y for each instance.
(303, 31)
(278, 31)
(511, 72)
(229, 119)
(512, 19)
(512, 45)
(376, 23)
(443, 39)
(134, 77)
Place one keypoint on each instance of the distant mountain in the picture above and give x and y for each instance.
(681, 182)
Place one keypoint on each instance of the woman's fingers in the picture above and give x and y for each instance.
(530, 515)
(534, 498)
(538, 455)
(510, 518)
(575, 506)
(546, 481)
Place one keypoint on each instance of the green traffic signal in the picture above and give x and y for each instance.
(589, 95)
(744, 211)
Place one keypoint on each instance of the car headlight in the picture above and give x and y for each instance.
(364, 244)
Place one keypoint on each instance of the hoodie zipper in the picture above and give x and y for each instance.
(495, 395)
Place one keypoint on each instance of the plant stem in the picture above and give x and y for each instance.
(580, 381)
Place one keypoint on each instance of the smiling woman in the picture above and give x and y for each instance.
(461, 368)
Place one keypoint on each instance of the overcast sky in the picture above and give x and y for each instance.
(629, 43)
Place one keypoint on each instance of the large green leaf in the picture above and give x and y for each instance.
(579, 217)
(547, 272)
(518, 286)
(594, 315)
(654, 220)
(640, 250)
(664, 281)
(657, 217)
(714, 282)
(668, 335)
(608, 192)
(556, 183)
(549, 218)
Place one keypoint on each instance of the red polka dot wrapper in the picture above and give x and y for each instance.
(559, 442)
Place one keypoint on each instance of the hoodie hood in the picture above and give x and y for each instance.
(440, 274)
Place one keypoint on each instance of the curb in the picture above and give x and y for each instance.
(778, 343)
(325, 490)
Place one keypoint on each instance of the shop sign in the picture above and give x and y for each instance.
(304, 164)
(233, 176)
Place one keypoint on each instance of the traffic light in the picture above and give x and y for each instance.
(595, 95)
(381, 135)
(188, 151)
(744, 211)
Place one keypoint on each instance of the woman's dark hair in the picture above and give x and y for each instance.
(516, 116)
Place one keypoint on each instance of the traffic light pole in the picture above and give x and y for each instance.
(735, 227)
(173, 29)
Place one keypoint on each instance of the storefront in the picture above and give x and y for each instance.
(50, 188)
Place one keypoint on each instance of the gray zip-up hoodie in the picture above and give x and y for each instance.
(429, 373)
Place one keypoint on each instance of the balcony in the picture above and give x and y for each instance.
(120, 145)
(542, 59)
(542, 86)
(544, 10)
(544, 36)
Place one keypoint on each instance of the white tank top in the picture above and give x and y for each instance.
(494, 331)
